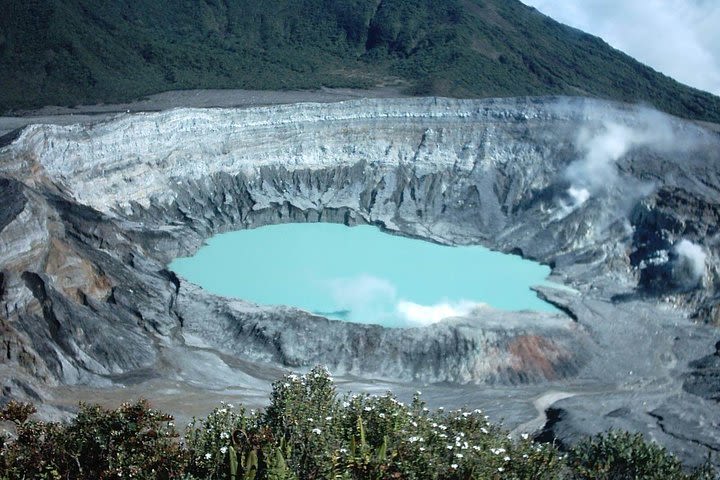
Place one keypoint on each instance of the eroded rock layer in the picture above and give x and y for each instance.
(623, 203)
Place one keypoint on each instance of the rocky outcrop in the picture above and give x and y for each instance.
(704, 378)
(621, 202)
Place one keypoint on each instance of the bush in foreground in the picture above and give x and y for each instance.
(309, 432)
(133, 441)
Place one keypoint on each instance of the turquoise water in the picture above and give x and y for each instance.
(361, 274)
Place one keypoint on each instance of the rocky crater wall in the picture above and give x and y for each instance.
(622, 203)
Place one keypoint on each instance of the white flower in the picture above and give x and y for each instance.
(413, 439)
(343, 450)
(230, 405)
(368, 409)
(381, 415)
(449, 447)
(484, 430)
(454, 466)
(223, 450)
(434, 425)
(525, 455)
(222, 410)
(208, 456)
(466, 414)
(506, 458)
(418, 392)
(459, 455)
(327, 419)
(345, 404)
(442, 427)
(524, 436)
(224, 435)
(501, 469)
(316, 431)
(422, 449)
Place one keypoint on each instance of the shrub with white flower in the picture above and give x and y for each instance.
(208, 439)
(307, 432)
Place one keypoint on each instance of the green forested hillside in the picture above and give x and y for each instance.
(85, 51)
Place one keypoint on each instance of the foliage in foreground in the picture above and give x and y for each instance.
(309, 432)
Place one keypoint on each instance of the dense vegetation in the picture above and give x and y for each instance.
(84, 51)
(308, 432)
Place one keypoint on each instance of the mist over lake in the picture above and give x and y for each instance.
(361, 274)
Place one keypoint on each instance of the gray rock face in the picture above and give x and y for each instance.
(622, 203)
(704, 378)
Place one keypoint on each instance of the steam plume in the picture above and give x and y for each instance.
(689, 267)
(417, 314)
(602, 145)
(372, 299)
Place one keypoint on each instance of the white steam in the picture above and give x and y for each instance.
(690, 265)
(601, 146)
(596, 170)
(578, 196)
(371, 299)
(366, 298)
(415, 313)
(353, 291)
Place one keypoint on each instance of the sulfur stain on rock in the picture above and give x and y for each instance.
(74, 275)
(533, 354)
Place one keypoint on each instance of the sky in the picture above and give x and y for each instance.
(680, 38)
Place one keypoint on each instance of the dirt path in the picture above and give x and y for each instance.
(189, 99)
(541, 403)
